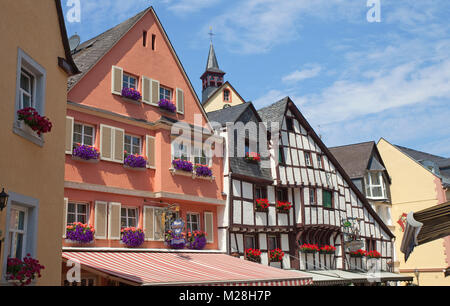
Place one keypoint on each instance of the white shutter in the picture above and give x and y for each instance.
(209, 226)
(118, 145)
(146, 90)
(106, 142)
(148, 220)
(150, 151)
(154, 92)
(101, 211)
(180, 101)
(69, 134)
(116, 80)
(114, 212)
(66, 203)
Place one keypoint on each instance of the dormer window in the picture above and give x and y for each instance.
(375, 187)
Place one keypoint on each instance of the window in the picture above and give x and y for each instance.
(132, 145)
(289, 124)
(281, 158)
(153, 41)
(192, 221)
(370, 245)
(327, 199)
(375, 188)
(200, 157)
(272, 242)
(319, 161)
(83, 134)
(308, 159)
(27, 85)
(226, 95)
(77, 213)
(312, 196)
(144, 38)
(179, 151)
(250, 242)
(282, 195)
(17, 232)
(261, 192)
(129, 81)
(129, 217)
(165, 93)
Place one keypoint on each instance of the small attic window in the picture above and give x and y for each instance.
(144, 38)
(153, 41)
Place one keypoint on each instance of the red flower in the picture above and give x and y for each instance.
(262, 203)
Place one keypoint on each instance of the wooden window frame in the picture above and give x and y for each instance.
(76, 211)
(83, 133)
(136, 209)
(130, 76)
(131, 144)
(163, 95)
(332, 198)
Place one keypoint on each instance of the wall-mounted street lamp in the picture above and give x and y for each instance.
(3, 199)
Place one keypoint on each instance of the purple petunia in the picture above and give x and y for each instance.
(80, 232)
(131, 93)
(132, 237)
(135, 161)
(183, 165)
(167, 105)
(202, 170)
(85, 152)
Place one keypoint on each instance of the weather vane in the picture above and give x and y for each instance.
(211, 34)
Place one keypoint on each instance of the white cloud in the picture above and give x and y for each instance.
(189, 6)
(300, 75)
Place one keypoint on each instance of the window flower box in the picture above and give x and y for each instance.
(132, 237)
(276, 255)
(131, 94)
(167, 106)
(373, 254)
(23, 272)
(262, 205)
(283, 207)
(37, 123)
(196, 240)
(183, 165)
(202, 170)
(78, 232)
(252, 157)
(358, 254)
(86, 153)
(327, 249)
(175, 241)
(135, 162)
(309, 248)
(253, 255)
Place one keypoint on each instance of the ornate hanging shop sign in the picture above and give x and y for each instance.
(175, 236)
(352, 238)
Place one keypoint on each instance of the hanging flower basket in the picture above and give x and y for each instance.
(80, 233)
(309, 248)
(276, 255)
(131, 93)
(37, 123)
(327, 249)
(183, 165)
(25, 271)
(283, 207)
(253, 255)
(135, 161)
(358, 254)
(202, 170)
(373, 254)
(85, 153)
(167, 106)
(132, 237)
(262, 205)
(252, 157)
(196, 240)
(175, 241)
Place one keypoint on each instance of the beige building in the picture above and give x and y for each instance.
(36, 62)
(416, 186)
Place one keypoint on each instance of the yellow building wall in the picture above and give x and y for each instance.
(216, 102)
(27, 168)
(414, 188)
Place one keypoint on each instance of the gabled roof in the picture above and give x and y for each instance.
(275, 113)
(87, 54)
(227, 83)
(229, 114)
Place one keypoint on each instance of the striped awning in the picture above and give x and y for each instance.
(154, 268)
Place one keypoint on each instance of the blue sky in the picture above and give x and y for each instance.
(353, 80)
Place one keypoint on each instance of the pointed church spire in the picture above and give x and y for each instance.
(212, 78)
(212, 64)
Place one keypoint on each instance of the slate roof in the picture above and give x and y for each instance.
(212, 64)
(354, 158)
(443, 163)
(274, 112)
(229, 114)
(88, 53)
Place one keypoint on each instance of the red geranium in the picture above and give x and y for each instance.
(284, 206)
(253, 254)
(359, 253)
(276, 255)
(252, 156)
(309, 248)
(328, 249)
(373, 254)
(35, 121)
(262, 204)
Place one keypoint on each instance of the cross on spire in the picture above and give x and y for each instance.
(211, 34)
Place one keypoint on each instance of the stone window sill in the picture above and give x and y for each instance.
(21, 129)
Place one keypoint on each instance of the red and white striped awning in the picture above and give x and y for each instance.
(153, 268)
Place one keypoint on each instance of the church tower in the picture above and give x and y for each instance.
(212, 78)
